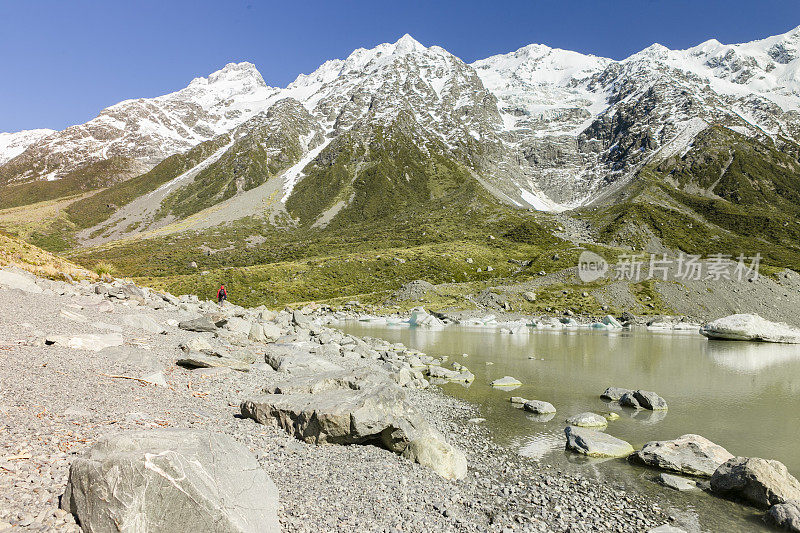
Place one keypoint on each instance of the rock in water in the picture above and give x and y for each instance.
(614, 393)
(171, 480)
(588, 420)
(746, 327)
(595, 443)
(506, 381)
(764, 482)
(678, 483)
(688, 454)
(198, 324)
(539, 407)
(628, 399)
(650, 400)
(785, 516)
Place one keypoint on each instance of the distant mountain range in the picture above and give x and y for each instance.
(702, 134)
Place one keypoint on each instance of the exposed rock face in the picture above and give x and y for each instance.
(746, 327)
(171, 480)
(506, 381)
(785, 516)
(362, 408)
(763, 482)
(595, 443)
(688, 454)
(143, 322)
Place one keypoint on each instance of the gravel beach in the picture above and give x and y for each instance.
(56, 401)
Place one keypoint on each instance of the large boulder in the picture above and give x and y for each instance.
(747, 327)
(688, 454)
(763, 482)
(595, 443)
(170, 480)
(785, 516)
(201, 324)
(297, 361)
(334, 408)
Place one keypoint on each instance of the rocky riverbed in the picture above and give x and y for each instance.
(82, 361)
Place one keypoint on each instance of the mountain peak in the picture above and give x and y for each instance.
(407, 43)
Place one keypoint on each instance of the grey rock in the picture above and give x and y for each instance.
(629, 400)
(650, 400)
(539, 407)
(763, 482)
(588, 420)
(506, 381)
(200, 360)
(595, 443)
(336, 409)
(299, 319)
(785, 516)
(171, 480)
(688, 454)
(202, 324)
(613, 393)
(677, 482)
(297, 361)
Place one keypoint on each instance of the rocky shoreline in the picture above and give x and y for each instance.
(83, 361)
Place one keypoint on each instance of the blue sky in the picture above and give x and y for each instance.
(63, 61)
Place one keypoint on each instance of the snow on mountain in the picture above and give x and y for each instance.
(13, 144)
(149, 129)
(542, 127)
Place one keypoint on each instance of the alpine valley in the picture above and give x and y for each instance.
(403, 162)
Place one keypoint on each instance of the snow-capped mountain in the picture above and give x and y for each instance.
(13, 144)
(539, 128)
(147, 130)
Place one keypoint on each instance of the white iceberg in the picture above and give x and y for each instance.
(747, 327)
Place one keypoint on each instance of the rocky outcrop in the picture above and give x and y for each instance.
(763, 482)
(595, 443)
(171, 480)
(337, 408)
(688, 454)
(613, 393)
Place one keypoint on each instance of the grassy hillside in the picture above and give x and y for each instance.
(16, 252)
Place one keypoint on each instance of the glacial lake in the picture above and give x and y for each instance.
(743, 396)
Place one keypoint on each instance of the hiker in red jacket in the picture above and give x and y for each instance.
(222, 294)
